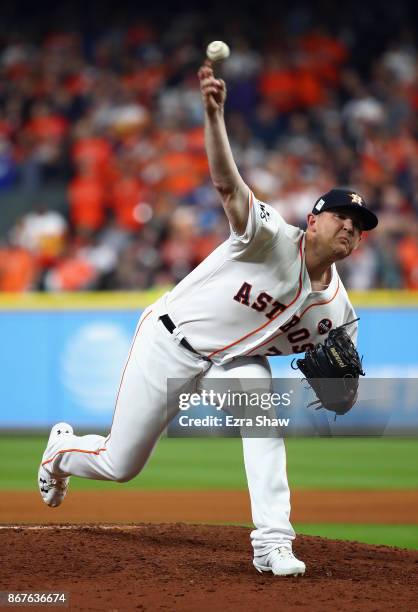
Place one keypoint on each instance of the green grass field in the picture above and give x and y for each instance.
(216, 463)
(402, 536)
(328, 464)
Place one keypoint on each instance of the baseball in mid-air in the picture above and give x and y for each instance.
(217, 50)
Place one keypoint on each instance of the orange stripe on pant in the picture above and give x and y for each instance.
(124, 370)
(73, 450)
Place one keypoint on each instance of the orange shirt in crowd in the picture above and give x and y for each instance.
(308, 89)
(145, 82)
(408, 257)
(73, 274)
(48, 127)
(182, 172)
(17, 269)
(127, 194)
(87, 201)
(94, 152)
(195, 143)
(291, 89)
(325, 55)
(278, 86)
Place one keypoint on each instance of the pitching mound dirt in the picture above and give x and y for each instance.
(197, 568)
(125, 506)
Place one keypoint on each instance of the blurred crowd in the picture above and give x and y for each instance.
(117, 117)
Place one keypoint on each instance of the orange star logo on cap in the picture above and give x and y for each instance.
(356, 199)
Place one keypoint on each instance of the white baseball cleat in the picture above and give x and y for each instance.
(281, 561)
(52, 489)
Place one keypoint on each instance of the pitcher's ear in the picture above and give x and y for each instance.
(311, 220)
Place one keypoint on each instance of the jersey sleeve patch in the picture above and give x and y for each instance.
(264, 224)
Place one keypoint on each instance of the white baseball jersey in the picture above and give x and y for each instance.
(253, 295)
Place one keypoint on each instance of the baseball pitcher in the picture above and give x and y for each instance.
(269, 289)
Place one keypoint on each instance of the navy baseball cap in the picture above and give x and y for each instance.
(349, 199)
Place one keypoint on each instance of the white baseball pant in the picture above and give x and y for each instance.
(143, 410)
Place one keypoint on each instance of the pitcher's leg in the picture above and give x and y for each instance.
(141, 412)
(265, 466)
(264, 458)
(137, 425)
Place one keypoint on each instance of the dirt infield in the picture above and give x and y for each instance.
(127, 506)
(178, 567)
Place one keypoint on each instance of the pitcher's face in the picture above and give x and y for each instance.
(338, 231)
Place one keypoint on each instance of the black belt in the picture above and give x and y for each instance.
(169, 325)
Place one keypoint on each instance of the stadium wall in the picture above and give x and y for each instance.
(61, 355)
